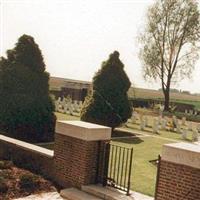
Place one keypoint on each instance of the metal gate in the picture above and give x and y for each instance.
(117, 167)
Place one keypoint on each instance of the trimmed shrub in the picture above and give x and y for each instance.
(108, 103)
(26, 109)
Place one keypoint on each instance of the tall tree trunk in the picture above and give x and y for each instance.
(167, 98)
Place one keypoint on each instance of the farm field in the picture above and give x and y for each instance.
(155, 94)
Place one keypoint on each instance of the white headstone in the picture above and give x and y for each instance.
(160, 119)
(198, 128)
(155, 126)
(56, 105)
(191, 112)
(183, 121)
(134, 117)
(184, 134)
(163, 124)
(76, 106)
(178, 128)
(195, 136)
(71, 109)
(146, 121)
(190, 126)
(142, 125)
(141, 118)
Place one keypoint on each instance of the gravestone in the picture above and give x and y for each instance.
(178, 128)
(163, 124)
(189, 126)
(76, 106)
(184, 134)
(134, 117)
(141, 117)
(174, 123)
(65, 108)
(155, 126)
(198, 128)
(195, 136)
(146, 121)
(160, 119)
(57, 105)
(190, 112)
(142, 125)
(71, 109)
(183, 121)
(174, 120)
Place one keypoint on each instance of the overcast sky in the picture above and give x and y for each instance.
(76, 36)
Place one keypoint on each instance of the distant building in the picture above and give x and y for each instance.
(62, 87)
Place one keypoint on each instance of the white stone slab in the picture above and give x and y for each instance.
(83, 130)
(43, 196)
(25, 145)
(182, 153)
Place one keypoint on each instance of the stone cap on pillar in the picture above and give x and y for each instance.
(83, 130)
(182, 153)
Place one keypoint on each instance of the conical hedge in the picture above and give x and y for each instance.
(26, 109)
(108, 102)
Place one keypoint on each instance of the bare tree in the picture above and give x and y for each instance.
(170, 42)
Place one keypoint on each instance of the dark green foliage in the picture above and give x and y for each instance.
(4, 164)
(28, 182)
(108, 103)
(26, 109)
(3, 185)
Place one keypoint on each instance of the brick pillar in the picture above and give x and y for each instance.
(179, 172)
(76, 152)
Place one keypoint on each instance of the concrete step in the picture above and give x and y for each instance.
(75, 194)
(106, 193)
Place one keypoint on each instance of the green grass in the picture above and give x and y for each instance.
(61, 116)
(195, 103)
(143, 177)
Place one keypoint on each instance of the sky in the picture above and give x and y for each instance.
(76, 36)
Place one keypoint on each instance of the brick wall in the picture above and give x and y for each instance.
(32, 157)
(75, 160)
(178, 182)
(179, 172)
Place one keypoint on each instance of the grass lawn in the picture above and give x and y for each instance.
(144, 149)
(143, 177)
(61, 116)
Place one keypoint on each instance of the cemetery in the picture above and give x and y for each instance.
(98, 135)
(149, 130)
(150, 133)
(140, 120)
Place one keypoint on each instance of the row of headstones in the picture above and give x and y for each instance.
(67, 106)
(161, 123)
(191, 112)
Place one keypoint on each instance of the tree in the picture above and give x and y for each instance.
(169, 44)
(26, 109)
(108, 102)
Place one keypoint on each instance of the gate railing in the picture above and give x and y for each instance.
(117, 167)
